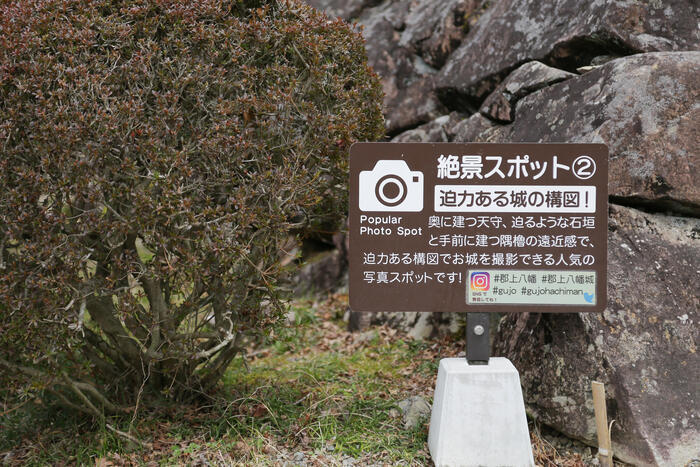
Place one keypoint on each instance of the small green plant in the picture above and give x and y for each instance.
(155, 157)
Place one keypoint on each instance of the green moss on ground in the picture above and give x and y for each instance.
(313, 391)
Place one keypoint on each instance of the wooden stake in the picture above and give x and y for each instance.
(605, 454)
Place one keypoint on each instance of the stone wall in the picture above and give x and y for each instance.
(623, 73)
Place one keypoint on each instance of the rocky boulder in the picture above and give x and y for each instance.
(407, 43)
(322, 272)
(434, 28)
(562, 33)
(645, 107)
(511, 65)
(531, 77)
(643, 347)
(472, 128)
(440, 130)
(408, 81)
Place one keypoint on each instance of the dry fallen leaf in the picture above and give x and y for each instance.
(259, 411)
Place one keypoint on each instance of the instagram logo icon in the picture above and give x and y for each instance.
(480, 281)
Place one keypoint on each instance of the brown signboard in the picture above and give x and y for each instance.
(478, 227)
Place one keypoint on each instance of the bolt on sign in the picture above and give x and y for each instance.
(478, 227)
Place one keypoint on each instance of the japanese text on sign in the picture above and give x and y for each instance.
(478, 227)
(480, 198)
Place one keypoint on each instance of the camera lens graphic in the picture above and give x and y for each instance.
(390, 190)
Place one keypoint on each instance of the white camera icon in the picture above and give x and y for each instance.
(391, 186)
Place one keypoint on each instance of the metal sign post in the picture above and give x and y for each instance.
(478, 337)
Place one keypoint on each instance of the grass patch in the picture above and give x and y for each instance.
(322, 389)
(312, 393)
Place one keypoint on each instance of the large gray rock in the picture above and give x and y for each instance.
(434, 28)
(530, 77)
(406, 43)
(472, 128)
(645, 107)
(436, 131)
(409, 104)
(408, 82)
(565, 34)
(325, 271)
(643, 347)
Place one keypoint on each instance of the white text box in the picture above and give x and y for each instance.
(515, 198)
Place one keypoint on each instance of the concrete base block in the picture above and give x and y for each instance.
(478, 416)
